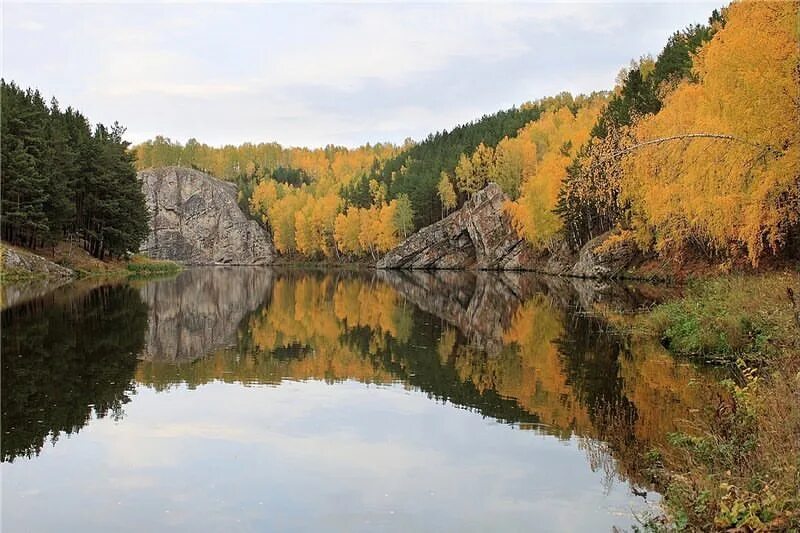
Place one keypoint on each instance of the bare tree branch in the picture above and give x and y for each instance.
(720, 136)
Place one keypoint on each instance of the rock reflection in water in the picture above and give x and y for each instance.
(518, 348)
(199, 311)
(515, 347)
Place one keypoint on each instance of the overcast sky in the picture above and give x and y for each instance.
(313, 74)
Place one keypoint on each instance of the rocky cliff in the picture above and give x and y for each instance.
(18, 263)
(195, 219)
(480, 236)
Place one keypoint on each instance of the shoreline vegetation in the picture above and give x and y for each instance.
(741, 471)
(65, 262)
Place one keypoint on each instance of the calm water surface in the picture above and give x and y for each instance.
(247, 399)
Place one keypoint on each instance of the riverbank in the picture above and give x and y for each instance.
(67, 261)
(741, 471)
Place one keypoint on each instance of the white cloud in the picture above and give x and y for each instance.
(321, 73)
(30, 25)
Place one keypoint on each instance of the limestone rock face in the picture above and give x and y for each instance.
(479, 235)
(196, 220)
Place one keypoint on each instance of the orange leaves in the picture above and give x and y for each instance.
(347, 229)
(314, 225)
(264, 196)
(546, 148)
(721, 194)
(330, 167)
(372, 230)
(515, 162)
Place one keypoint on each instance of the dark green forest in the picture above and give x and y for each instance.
(62, 179)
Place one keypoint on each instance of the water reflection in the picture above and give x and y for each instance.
(515, 348)
(200, 310)
(65, 358)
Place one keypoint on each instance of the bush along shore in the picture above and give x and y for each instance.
(741, 471)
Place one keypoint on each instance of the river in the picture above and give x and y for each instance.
(253, 399)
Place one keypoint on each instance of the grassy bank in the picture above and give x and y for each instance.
(69, 261)
(741, 471)
(142, 266)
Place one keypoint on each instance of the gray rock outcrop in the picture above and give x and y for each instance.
(16, 262)
(597, 261)
(196, 220)
(479, 235)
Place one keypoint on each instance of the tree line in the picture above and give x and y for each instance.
(694, 152)
(367, 209)
(63, 179)
(415, 172)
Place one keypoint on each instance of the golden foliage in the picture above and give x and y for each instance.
(372, 230)
(538, 158)
(334, 164)
(726, 195)
(473, 172)
(347, 229)
(447, 193)
(314, 225)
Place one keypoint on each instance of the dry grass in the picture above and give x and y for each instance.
(72, 255)
(141, 265)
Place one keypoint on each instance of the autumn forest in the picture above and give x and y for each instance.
(693, 153)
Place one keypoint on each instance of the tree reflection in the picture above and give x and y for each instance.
(65, 358)
(515, 348)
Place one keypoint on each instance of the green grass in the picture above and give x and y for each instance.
(740, 468)
(728, 318)
(141, 266)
